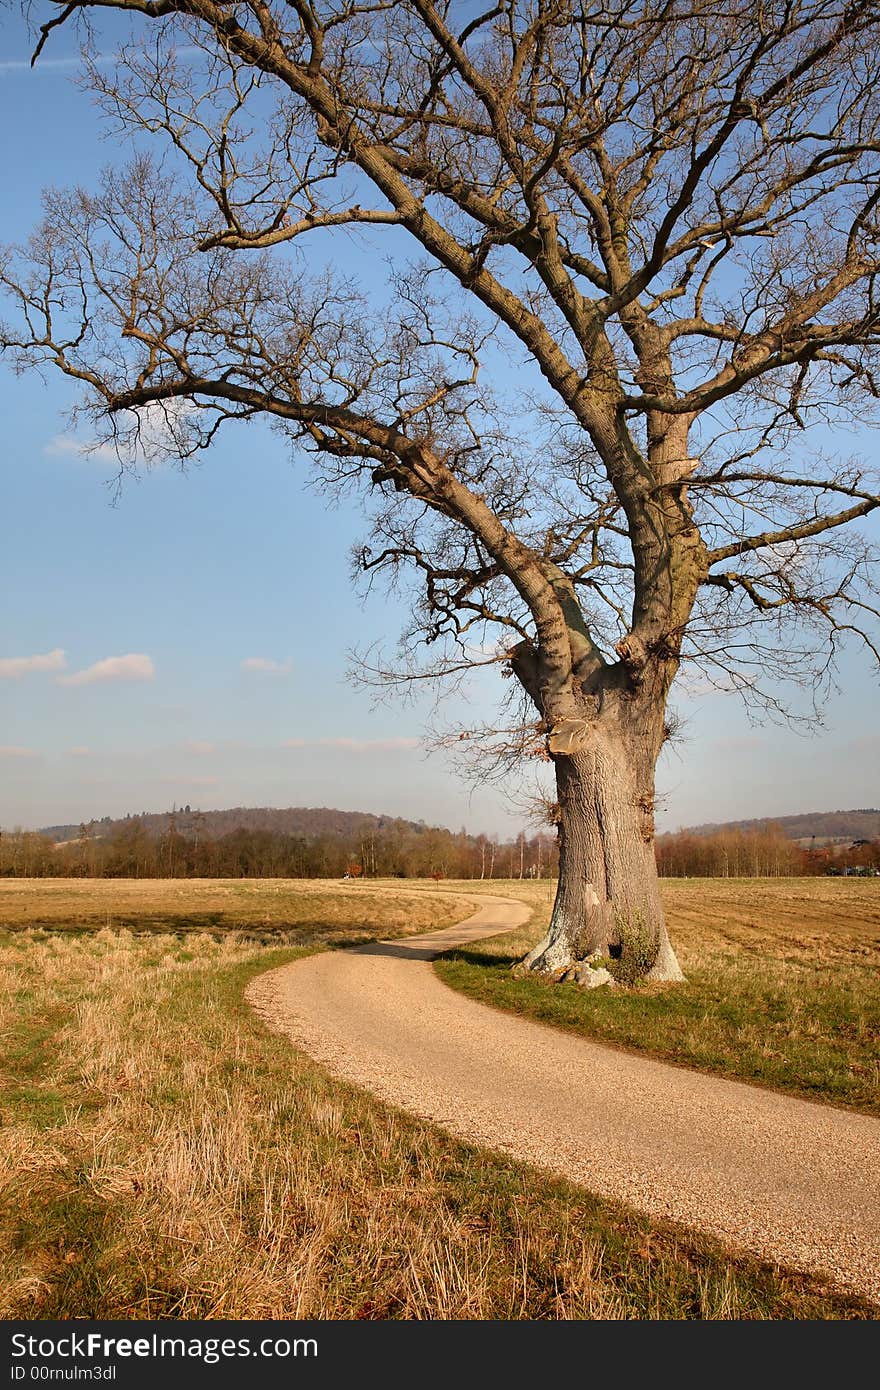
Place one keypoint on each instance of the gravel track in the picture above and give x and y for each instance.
(794, 1182)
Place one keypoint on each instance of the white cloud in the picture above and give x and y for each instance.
(10, 751)
(148, 434)
(199, 747)
(265, 663)
(487, 651)
(133, 667)
(69, 446)
(355, 745)
(11, 667)
(79, 750)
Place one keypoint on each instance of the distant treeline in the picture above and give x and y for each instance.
(189, 844)
(763, 852)
(183, 849)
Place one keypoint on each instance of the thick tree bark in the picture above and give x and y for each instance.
(608, 896)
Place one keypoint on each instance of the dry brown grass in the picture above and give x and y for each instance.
(299, 910)
(828, 920)
(163, 1156)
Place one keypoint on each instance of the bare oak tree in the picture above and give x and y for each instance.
(646, 245)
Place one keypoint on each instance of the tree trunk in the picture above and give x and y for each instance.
(608, 896)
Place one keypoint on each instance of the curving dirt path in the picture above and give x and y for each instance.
(789, 1180)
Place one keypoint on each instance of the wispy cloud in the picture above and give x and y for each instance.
(201, 748)
(185, 782)
(72, 62)
(68, 64)
(355, 745)
(71, 446)
(693, 684)
(11, 667)
(149, 435)
(79, 750)
(739, 743)
(265, 663)
(8, 750)
(133, 667)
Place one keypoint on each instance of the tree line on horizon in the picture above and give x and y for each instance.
(181, 848)
(375, 848)
(762, 852)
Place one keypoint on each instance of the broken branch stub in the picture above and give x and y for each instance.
(568, 736)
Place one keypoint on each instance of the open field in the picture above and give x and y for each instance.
(299, 911)
(163, 1156)
(782, 987)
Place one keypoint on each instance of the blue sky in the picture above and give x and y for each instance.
(193, 636)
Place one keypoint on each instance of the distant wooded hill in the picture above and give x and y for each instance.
(827, 825)
(305, 821)
(319, 821)
(265, 842)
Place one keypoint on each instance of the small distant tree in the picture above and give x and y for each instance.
(172, 846)
(90, 859)
(652, 224)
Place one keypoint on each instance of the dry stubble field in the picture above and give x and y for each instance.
(306, 912)
(162, 1155)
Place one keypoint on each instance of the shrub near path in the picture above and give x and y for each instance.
(782, 985)
(163, 1156)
